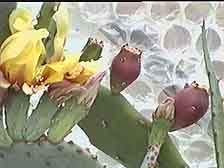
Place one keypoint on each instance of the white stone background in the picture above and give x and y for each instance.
(168, 33)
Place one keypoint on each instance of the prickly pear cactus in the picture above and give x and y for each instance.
(71, 94)
(45, 155)
(121, 132)
(24, 142)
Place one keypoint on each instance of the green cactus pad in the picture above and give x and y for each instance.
(45, 20)
(16, 108)
(46, 13)
(49, 42)
(216, 104)
(5, 140)
(65, 119)
(116, 128)
(40, 119)
(38, 151)
(45, 155)
(6, 8)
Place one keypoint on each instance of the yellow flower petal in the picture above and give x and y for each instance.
(73, 56)
(20, 53)
(74, 73)
(20, 19)
(16, 43)
(62, 22)
(12, 46)
(54, 72)
(90, 68)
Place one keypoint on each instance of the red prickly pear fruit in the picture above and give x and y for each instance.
(191, 103)
(125, 68)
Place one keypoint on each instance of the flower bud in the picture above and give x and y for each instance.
(20, 19)
(92, 50)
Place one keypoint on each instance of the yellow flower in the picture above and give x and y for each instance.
(19, 55)
(54, 72)
(20, 19)
(69, 69)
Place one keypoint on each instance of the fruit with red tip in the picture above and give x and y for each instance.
(191, 103)
(125, 68)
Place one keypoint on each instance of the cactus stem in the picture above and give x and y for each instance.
(163, 119)
(216, 103)
(157, 137)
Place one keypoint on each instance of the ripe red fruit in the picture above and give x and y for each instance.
(125, 68)
(191, 103)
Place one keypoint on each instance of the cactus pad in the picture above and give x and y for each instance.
(46, 155)
(116, 128)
